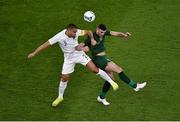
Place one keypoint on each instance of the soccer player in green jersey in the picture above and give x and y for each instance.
(101, 60)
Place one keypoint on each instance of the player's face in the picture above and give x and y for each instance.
(72, 32)
(100, 32)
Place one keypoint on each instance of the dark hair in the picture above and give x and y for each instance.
(71, 26)
(102, 27)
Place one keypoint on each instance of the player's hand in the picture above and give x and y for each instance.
(85, 49)
(31, 55)
(81, 44)
(78, 47)
(127, 34)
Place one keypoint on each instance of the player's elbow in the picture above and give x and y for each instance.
(89, 32)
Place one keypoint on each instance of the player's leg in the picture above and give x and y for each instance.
(68, 68)
(62, 87)
(92, 67)
(102, 97)
(86, 61)
(112, 67)
(106, 86)
(63, 84)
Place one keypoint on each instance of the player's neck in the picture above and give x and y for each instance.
(66, 33)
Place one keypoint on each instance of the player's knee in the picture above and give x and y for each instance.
(95, 70)
(110, 75)
(64, 78)
(91, 66)
(120, 70)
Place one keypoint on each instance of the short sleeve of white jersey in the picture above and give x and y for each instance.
(55, 38)
(80, 32)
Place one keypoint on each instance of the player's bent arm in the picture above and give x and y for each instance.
(79, 46)
(82, 47)
(39, 49)
(120, 34)
(90, 34)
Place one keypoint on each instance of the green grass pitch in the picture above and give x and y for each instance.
(152, 54)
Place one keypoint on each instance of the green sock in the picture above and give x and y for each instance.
(124, 78)
(132, 84)
(105, 89)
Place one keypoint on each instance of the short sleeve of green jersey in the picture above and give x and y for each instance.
(107, 33)
(88, 42)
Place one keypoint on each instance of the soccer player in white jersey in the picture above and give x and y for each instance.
(68, 41)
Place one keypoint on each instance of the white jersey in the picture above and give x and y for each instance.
(71, 56)
(66, 43)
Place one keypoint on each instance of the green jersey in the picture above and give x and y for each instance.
(99, 47)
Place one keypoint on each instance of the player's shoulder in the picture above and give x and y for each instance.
(80, 32)
(61, 34)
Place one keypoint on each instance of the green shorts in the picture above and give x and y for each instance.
(101, 61)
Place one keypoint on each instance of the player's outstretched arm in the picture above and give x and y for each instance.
(39, 49)
(120, 34)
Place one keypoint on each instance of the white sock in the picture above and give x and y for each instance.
(62, 87)
(105, 76)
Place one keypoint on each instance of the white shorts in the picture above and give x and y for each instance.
(69, 63)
